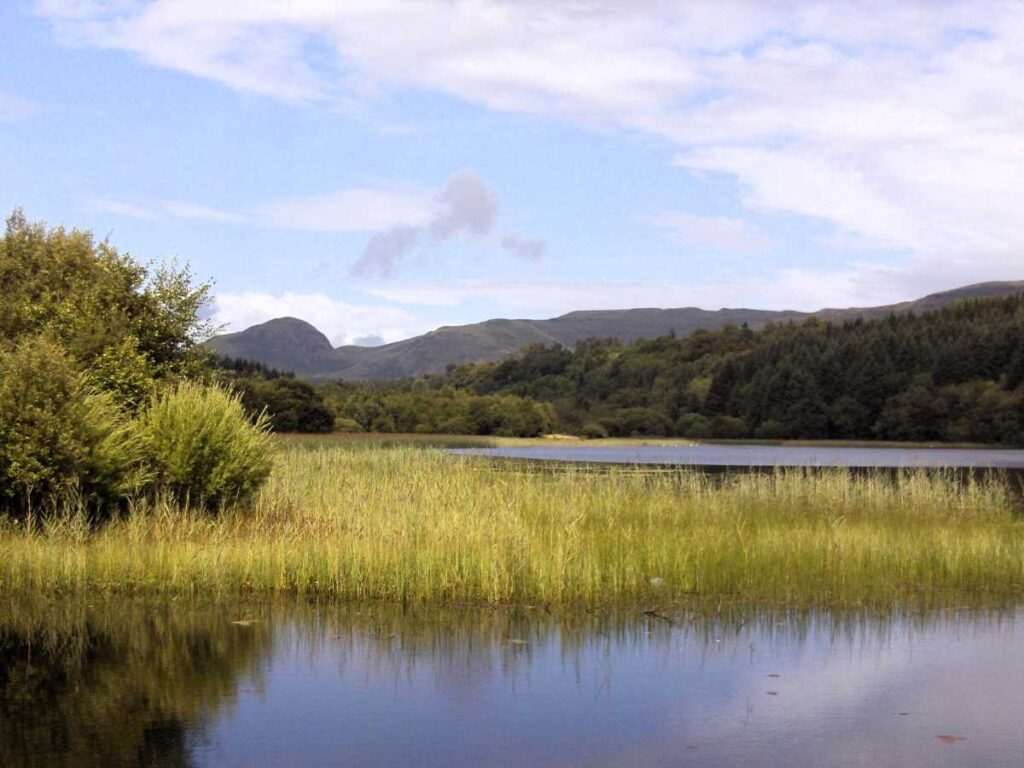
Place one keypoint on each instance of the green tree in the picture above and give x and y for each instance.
(126, 326)
(292, 405)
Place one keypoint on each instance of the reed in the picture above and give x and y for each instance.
(403, 523)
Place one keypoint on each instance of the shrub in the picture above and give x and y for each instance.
(632, 422)
(202, 447)
(58, 435)
(773, 429)
(342, 424)
(728, 428)
(693, 425)
(594, 431)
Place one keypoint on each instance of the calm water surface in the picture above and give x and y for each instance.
(124, 684)
(762, 455)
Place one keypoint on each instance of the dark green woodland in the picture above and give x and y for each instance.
(955, 374)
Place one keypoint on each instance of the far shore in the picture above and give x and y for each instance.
(493, 441)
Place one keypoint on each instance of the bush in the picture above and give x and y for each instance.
(594, 431)
(202, 447)
(773, 429)
(639, 422)
(693, 425)
(58, 436)
(729, 428)
(342, 424)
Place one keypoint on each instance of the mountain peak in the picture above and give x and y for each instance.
(286, 343)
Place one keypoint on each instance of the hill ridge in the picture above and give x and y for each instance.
(293, 344)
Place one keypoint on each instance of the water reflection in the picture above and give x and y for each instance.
(115, 684)
(172, 684)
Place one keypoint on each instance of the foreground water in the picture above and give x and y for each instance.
(711, 455)
(130, 683)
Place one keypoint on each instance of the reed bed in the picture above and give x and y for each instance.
(417, 525)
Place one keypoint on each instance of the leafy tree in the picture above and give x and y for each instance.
(292, 405)
(125, 325)
(97, 354)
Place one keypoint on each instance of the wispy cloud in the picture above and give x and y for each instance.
(806, 290)
(715, 233)
(122, 208)
(525, 248)
(180, 210)
(896, 122)
(464, 207)
(398, 217)
(384, 250)
(365, 209)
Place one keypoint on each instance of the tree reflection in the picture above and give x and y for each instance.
(122, 684)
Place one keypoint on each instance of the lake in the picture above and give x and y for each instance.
(731, 455)
(124, 683)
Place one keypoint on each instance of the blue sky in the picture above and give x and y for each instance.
(382, 168)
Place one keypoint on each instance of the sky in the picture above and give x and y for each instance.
(384, 167)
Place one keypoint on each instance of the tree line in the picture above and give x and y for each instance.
(956, 374)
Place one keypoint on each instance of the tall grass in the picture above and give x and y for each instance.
(407, 524)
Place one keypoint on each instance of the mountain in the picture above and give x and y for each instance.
(287, 343)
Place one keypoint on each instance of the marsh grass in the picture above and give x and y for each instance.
(405, 524)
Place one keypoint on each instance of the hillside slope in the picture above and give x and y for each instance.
(294, 345)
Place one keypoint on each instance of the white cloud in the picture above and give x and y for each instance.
(366, 209)
(344, 323)
(180, 210)
(359, 209)
(122, 208)
(716, 233)
(899, 122)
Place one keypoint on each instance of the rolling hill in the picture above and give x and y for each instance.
(291, 344)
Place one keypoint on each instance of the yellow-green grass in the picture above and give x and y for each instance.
(403, 523)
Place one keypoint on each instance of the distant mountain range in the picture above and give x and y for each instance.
(287, 343)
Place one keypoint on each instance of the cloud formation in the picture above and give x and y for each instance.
(400, 218)
(465, 207)
(898, 123)
(382, 253)
(524, 248)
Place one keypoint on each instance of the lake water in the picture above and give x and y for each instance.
(716, 455)
(118, 683)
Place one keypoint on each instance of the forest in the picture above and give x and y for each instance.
(956, 375)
